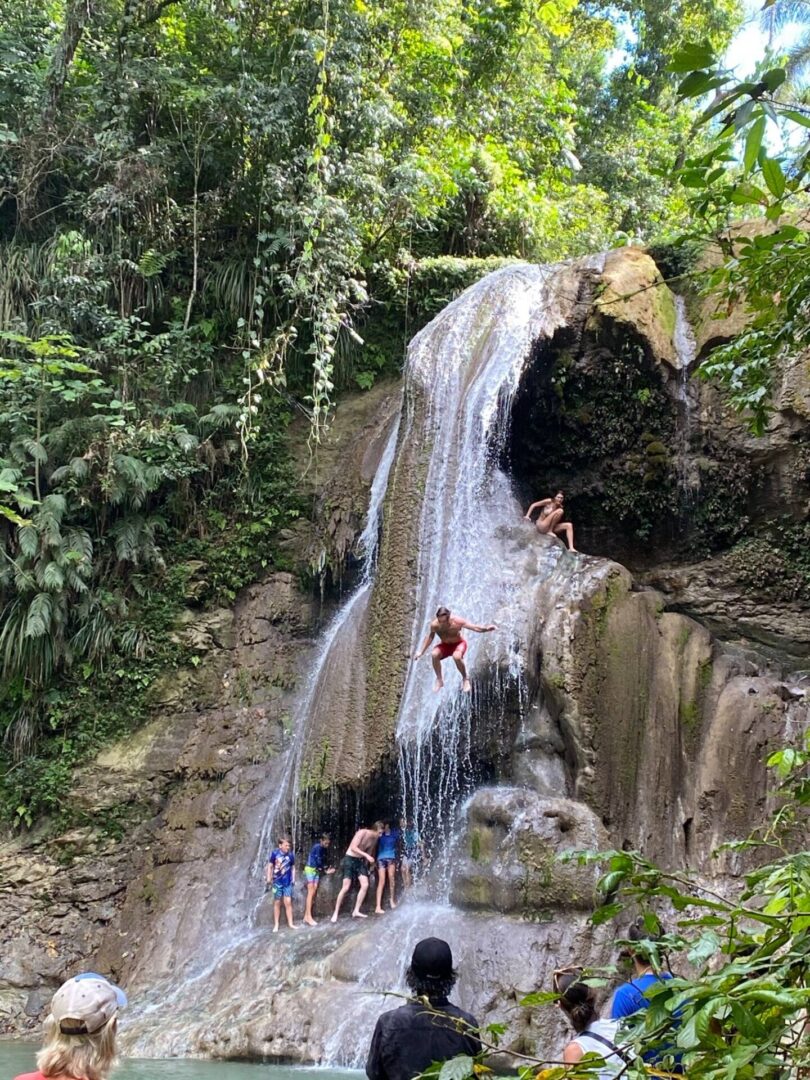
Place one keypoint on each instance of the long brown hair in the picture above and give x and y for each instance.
(577, 1000)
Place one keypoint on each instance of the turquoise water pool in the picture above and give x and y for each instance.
(18, 1057)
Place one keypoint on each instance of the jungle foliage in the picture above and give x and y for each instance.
(205, 207)
(756, 166)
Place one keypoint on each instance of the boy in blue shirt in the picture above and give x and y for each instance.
(280, 873)
(315, 868)
(387, 859)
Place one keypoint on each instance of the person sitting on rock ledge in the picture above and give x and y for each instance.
(431, 1028)
(447, 627)
(549, 521)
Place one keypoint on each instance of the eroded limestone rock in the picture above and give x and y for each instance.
(507, 856)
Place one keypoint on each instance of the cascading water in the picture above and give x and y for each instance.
(467, 365)
(330, 661)
(686, 350)
(474, 553)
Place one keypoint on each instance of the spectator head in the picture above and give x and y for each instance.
(80, 1030)
(431, 973)
(576, 1000)
(284, 844)
(443, 613)
(642, 946)
(326, 839)
(378, 827)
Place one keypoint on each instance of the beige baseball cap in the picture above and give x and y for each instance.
(85, 1003)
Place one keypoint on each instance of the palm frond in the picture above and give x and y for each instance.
(797, 63)
(783, 13)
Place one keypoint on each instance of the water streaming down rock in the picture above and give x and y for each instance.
(239, 928)
(462, 374)
(686, 351)
(474, 552)
(335, 674)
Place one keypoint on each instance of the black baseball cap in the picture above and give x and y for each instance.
(432, 959)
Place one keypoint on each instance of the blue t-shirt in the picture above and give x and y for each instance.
(629, 999)
(410, 838)
(282, 863)
(387, 847)
(318, 857)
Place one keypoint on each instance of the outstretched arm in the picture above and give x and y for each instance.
(430, 636)
(534, 506)
(477, 629)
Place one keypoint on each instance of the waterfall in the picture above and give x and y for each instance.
(686, 350)
(329, 660)
(467, 365)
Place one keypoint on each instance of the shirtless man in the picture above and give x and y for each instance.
(447, 627)
(360, 851)
(550, 518)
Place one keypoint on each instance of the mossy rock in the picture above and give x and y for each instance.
(634, 295)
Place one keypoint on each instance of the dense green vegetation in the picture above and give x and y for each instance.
(205, 206)
(756, 165)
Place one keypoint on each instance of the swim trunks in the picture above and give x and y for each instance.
(385, 863)
(354, 867)
(311, 874)
(447, 648)
(280, 891)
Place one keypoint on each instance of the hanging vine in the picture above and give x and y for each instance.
(320, 285)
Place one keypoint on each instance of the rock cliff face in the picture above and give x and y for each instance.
(616, 706)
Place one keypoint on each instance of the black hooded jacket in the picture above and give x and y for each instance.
(408, 1039)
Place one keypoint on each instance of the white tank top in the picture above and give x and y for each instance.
(608, 1029)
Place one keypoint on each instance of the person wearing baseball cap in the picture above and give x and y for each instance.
(428, 1029)
(79, 1042)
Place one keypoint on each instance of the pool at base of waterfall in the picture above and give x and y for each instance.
(19, 1057)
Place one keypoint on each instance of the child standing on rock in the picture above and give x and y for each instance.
(280, 873)
(315, 868)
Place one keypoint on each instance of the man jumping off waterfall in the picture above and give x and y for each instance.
(550, 519)
(447, 627)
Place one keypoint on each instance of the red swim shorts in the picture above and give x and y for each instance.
(447, 648)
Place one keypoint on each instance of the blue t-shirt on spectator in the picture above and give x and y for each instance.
(282, 863)
(629, 999)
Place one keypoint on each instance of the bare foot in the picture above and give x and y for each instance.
(437, 686)
(378, 911)
(275, 929)
(294, 926)
(466, 686)
(393, 905)
(310, 922)
(333, 919)
(359, 915)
